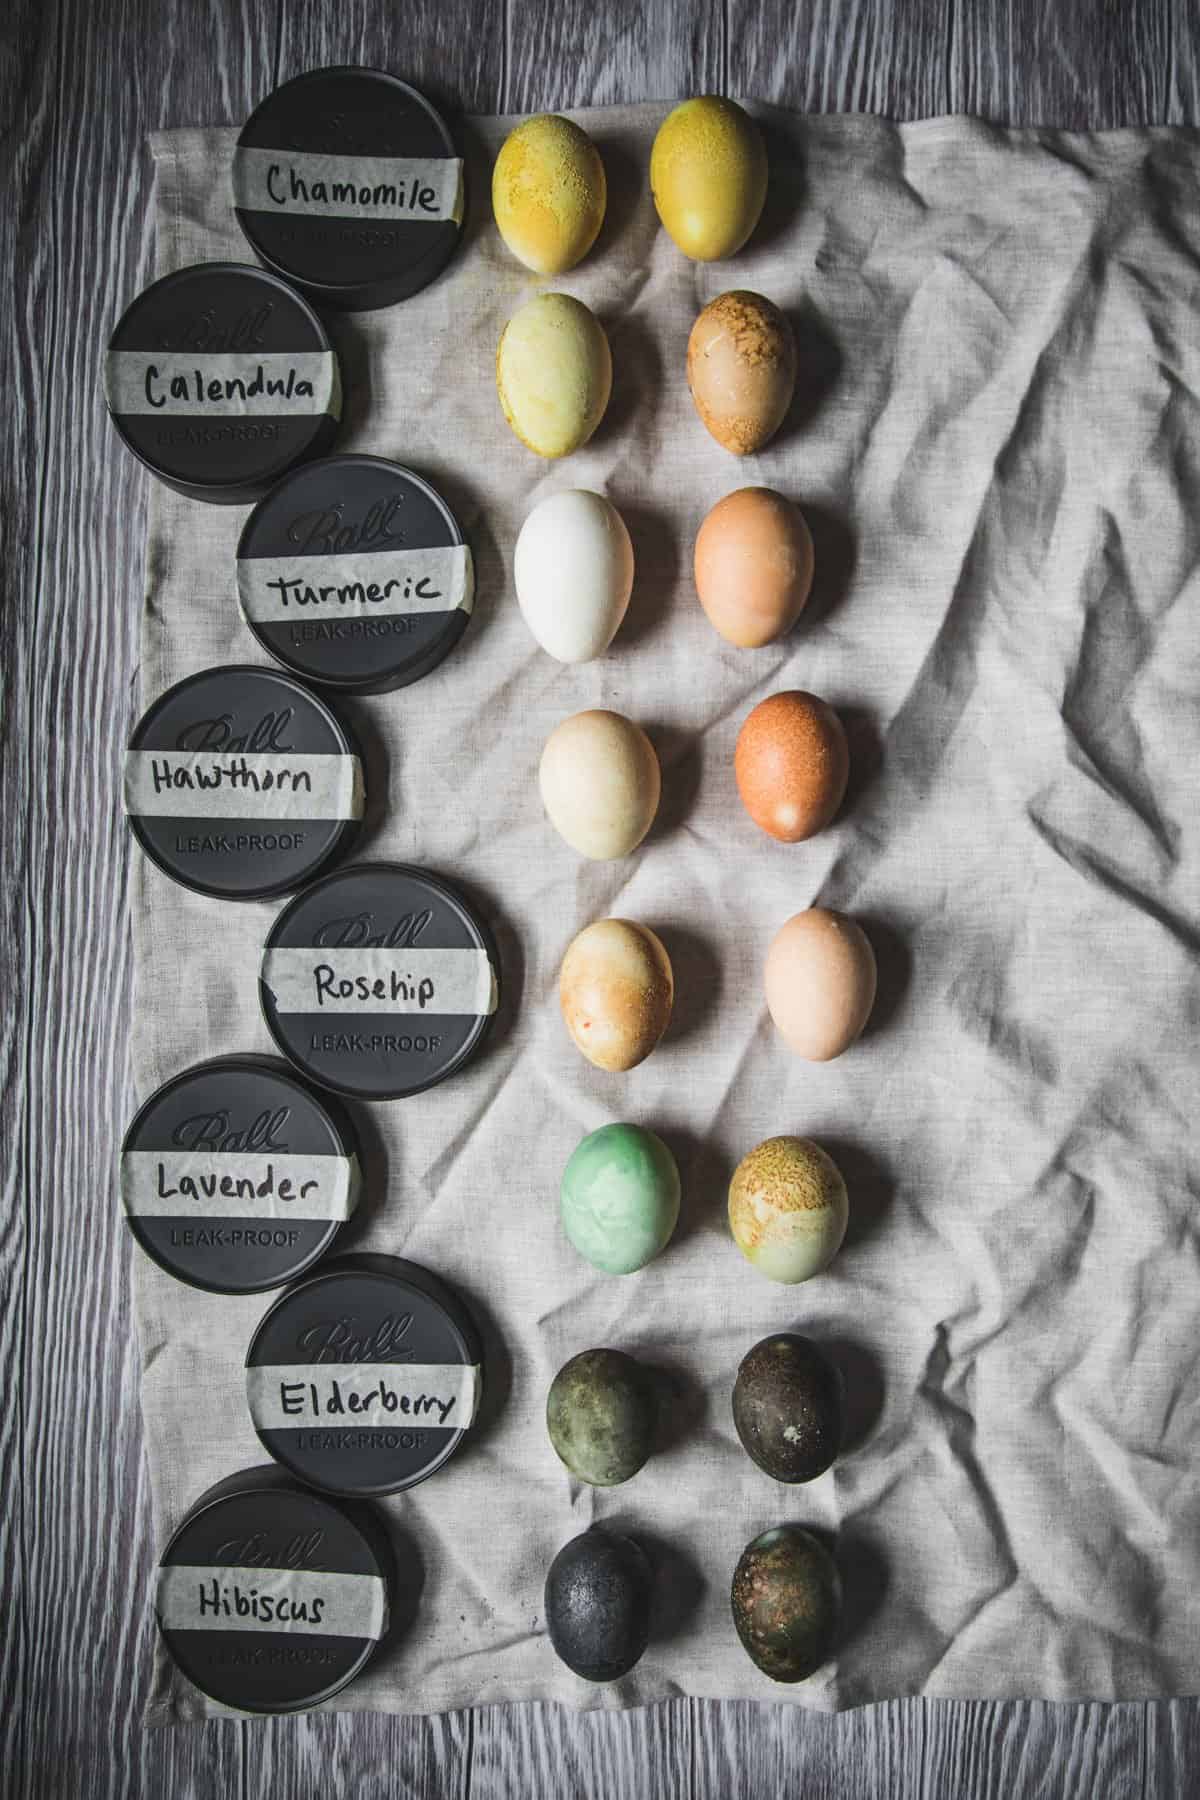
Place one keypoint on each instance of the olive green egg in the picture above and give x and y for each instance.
(601, 1414)
(787, 1407)
(786, 1599)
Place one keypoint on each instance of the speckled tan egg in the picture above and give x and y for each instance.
(549, 193)
(754, 566)
(791, 764)
(741, 368)
(788, 1208)
(820, 981)
(708, 174)
(600, 783)
(616, 991)
(553, 374)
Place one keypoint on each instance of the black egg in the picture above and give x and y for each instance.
(598, 1604)
(787, 1407)
(786, 1598)
(600, 1414)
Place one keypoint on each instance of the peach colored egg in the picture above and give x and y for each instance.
(754, 566)
(820, 983)
(791, 764)
(741, 369)
(616, 989)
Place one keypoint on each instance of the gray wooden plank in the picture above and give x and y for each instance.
(587, 55)
(1074, 64)
(743, 1748)
(1036, 1750)
(844, 55)
(538, 1752)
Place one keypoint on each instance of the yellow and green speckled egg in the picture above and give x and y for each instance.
(708, 172)
(549, 193)
(788, 1208)
(553, 374)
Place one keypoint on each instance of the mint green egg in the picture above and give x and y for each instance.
(620, 1198)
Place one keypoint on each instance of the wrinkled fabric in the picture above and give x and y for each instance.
(995, 440)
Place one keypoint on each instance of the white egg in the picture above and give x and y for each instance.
(573, 569)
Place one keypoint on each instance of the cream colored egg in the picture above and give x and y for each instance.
(616, 990)
(549, 193)
(553, 374)
(600, 783)
(820, 981)
(573, 572)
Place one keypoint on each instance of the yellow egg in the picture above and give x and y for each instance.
(708, 171)
(553, 374)
(549, 193)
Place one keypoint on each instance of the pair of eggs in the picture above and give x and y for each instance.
(785, 1600)
(620, 1197)
(602, 1412)
(554, 372)
(708, 176)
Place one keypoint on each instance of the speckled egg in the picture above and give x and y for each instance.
(708, 173)
(553, 374)
(600, 783)
(601, 1414)
(597, 1604)
(820, 981)
(788, 1208)
(573, 572)
(787, 1407)
(741, 369)
(620, 1198)
(791, 765)
(754, 566)
(786, 1599)
(549, 193)
(616, 990)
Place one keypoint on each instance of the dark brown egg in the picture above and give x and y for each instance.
(787, 1407)
(786, 1598)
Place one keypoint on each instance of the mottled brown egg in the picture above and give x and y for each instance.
(787, 1407)
(791, 765)
(754, 566)
(616, 991)
(741, 369)
(786, 1599)
(820, 983)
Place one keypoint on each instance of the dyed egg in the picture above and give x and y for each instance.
(788, 1208)
(754, 566)
(553, 374)
(573, 571)
(620, 1198)
(741, 369)
(549, 193)
(600, 783)
(787, 1407)
(601, 1414)
(616, 991)
(820, 983)
(708, 173)
(791, 765)
(786, 1599)
(597, 1604)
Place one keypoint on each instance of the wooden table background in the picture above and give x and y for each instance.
(81, 84)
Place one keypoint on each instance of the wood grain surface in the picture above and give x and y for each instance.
(81, 84)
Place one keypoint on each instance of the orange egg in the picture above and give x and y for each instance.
(791, 764)
(754, 566)
(820, 983)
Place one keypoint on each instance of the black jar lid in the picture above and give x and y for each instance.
(364, 1377)
(221, 378)
(236, 1177)
(347, 182)
(242, 784)
(378, 981)
(353, 572)
(271, 1598)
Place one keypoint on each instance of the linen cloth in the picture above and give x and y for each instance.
(995, 437)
